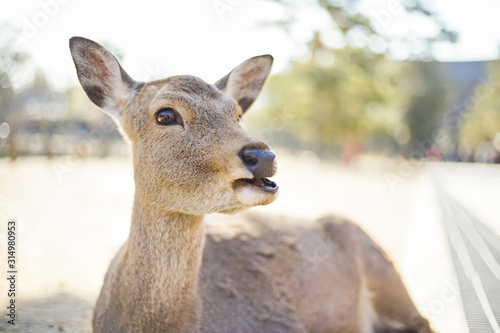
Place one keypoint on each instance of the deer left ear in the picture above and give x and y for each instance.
(245, 82)
(101, 76)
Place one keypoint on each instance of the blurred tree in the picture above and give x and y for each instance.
(344, 100)
(351, 90)
(27, 101)
(428, 104)
(44, 121)
(11, 63)
(482, 123)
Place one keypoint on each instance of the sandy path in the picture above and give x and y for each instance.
(72, 219)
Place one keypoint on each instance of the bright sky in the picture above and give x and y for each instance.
(208, 38)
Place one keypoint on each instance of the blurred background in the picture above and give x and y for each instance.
(385, 111)
(409, 78)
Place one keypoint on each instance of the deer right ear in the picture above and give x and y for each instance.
(245, 82)
(101, 76)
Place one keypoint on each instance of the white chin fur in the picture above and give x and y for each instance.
(250, 196)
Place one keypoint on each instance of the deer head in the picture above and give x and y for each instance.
(190, 153)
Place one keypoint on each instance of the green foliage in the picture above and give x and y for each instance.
(354, 92)
(482, 122)
(358, 95)
(11, 63)
(428, 103)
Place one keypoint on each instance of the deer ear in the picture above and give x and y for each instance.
(245, 81)
(101, 76)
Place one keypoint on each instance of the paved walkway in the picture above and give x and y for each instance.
(474, 243)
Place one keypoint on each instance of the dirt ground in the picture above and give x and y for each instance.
(73, 215)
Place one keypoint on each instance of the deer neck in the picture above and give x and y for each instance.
(166, 249)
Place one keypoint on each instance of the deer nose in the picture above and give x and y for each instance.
(261, 163)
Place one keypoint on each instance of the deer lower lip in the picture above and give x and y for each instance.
(262, 183)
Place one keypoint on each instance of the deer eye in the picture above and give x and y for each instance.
(166, 116)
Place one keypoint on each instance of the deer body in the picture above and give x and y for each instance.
(291, 278)
(243, 273)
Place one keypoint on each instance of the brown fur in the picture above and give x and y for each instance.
(244, 273)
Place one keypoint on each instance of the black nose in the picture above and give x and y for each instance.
(260, 162)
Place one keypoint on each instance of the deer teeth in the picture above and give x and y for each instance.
(263, 183)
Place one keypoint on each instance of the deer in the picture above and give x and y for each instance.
(249, 272)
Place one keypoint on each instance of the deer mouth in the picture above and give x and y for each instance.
(264, 184)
